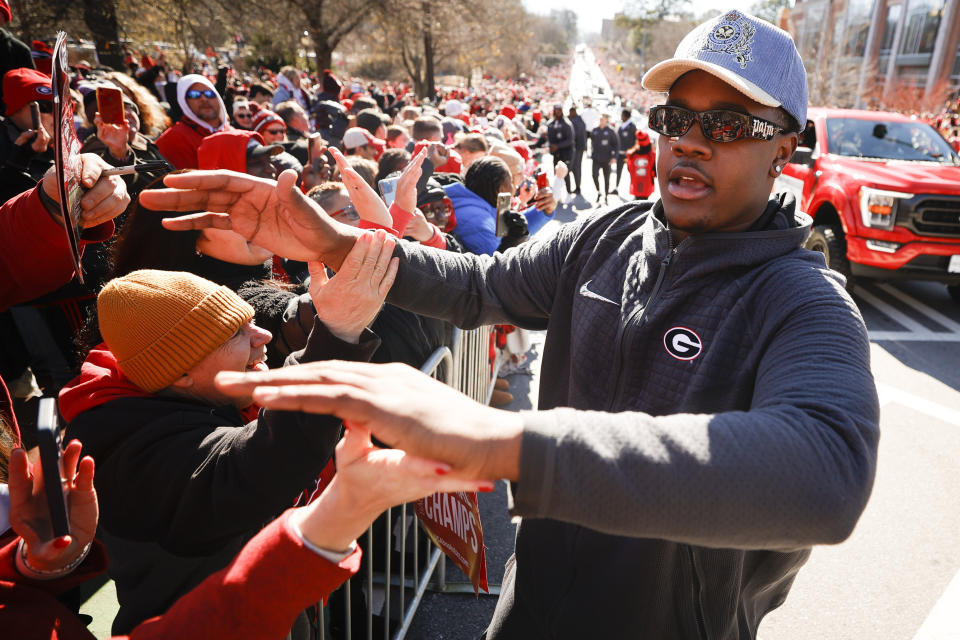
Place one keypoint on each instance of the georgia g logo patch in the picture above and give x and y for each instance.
(682, 343)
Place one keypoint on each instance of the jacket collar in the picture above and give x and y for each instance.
(786, 231)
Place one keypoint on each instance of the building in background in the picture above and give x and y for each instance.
(899, 54)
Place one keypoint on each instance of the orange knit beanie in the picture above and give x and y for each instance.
(160, 324)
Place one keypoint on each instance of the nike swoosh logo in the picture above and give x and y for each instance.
(586, 293)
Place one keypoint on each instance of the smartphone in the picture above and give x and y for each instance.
(503, 206)
(35, 116)
(48, 441)
(541, 179)
(388, 189)
(313, 147)
(110, 105)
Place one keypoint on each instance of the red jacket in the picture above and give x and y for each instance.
(179, 143)
(34, 254)
(642, 167)
(258, 595)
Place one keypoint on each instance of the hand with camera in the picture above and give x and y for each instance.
(517, 230)
(43, 555)
(115, 137)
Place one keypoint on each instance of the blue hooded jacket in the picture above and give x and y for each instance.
(477, 219)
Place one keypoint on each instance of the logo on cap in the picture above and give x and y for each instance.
(44, 90)
(733, 36)
(682, 343)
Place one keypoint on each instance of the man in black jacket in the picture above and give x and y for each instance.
(561, 139)
(580, 145)
(606, 147)
(707, 411)
(626, 133)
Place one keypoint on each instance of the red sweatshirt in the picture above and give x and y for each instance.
(258, 595)
(34, 254)
(179, 143)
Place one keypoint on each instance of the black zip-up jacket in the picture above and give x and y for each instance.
(605, 145)
(560, 134)
(707, 414)
(627, 133)
(183, 485)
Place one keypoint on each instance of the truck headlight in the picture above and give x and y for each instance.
(878, 208)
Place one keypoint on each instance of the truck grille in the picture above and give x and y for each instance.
(931, 216)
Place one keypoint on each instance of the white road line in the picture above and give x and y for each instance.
(895, 314)
(933, 314)
(913, 336)
(890, 394)
(942, 621)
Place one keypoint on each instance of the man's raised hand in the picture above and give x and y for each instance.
(274, 215)
(401, 406)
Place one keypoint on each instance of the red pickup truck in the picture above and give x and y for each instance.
(883, 190)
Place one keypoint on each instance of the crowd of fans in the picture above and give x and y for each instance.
(187, 476)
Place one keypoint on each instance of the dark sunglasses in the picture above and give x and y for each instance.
(241, 114)
(275, 132)
(435, 211)
(46, 106)
(193, 94)
(718, 125)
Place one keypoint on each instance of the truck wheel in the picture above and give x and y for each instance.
(829, 241)
(954, 291)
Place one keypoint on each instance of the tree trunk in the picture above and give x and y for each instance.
(429, 82)
(100, 17)
(323, 51)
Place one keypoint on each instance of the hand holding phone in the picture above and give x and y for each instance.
(30, 513)
(503, 207)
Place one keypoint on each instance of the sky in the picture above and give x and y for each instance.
(590, 13)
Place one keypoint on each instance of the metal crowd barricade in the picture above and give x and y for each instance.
(466, 366)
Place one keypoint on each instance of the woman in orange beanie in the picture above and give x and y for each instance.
(188, 475)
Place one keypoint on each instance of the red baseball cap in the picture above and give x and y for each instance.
(24, 85)
(5, 10)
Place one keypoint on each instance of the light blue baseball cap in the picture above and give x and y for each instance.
(751, 55)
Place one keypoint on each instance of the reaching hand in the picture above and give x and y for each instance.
(29, 515)
(114, 136)
(274, 215)
(105, 198)
(401, 406)
(38, 139)
(351, 299)
(419, 228)
(545, 201)
(438, 153)
(407, 182)
(368, 481)
(370, 206)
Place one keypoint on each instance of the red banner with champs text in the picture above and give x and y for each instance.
(452, 521)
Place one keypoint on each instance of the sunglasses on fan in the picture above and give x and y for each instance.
(193, 94)
(718, 125)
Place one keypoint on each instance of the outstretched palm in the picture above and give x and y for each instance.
(273, 215)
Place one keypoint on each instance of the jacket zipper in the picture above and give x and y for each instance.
(697, 607)
(636, 319)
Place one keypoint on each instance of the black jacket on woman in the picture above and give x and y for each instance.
(183, 484)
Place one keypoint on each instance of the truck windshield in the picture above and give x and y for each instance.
(888, 140)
